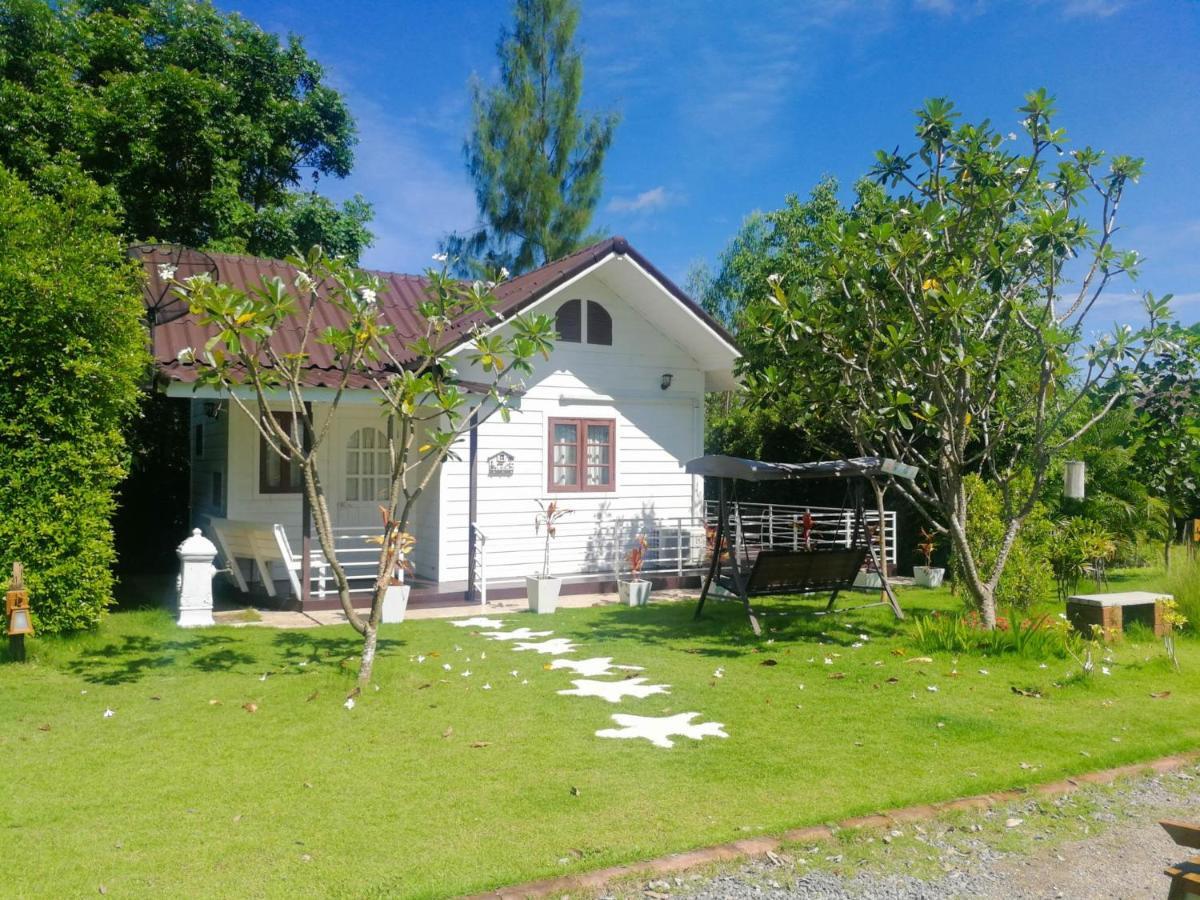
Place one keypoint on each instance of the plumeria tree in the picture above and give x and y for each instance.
(1168, 423)
(947, 324)
(261, 348)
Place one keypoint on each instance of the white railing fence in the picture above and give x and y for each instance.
(674, 544)
(480, 585)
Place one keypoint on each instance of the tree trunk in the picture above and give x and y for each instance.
(979, 590)
(370, 640)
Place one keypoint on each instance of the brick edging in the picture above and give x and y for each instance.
(759, 846)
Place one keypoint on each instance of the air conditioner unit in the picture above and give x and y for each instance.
(670, 545)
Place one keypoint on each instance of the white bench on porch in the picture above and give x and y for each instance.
(264, 543)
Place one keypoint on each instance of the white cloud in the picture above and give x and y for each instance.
(415, 179)
(647, 201)
(1100, 9)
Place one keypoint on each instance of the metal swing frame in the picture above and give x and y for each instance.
(793, 571)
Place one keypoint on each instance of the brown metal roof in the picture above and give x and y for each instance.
(175, 329)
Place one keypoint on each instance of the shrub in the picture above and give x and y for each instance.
(1183, 583)
(1039, 637)
(74, 351)
(1028, 578)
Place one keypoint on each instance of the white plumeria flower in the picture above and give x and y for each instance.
(514, 673)
(1021, 170)
(828, 661)
(856, 645)
(446, 666)
(720, 673)
(801, 686)
(466, 674)
(420, 659)
(774, 279)
(263, 676)
(864, 637)
(932, 688)
(983, 672)
(1104, 670)
(1043, 666)
(108, 713)
(483, 654)
(504, 273)
(440, 257)
(457, 649)
(303, 282)
(487, 687)
(349, 704)
(368, 295)
(524, 681)
(166, 271)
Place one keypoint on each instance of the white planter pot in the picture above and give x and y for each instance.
(543, 593)
(395, 603)
(634, 593)
(928, 576)
(868, 580)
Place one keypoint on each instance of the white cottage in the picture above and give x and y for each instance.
(603, 427)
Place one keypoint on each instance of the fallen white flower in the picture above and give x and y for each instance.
(446, 666)
(349, 704)
(932, 688)
(720, 672)
(983, 672)
(108, 714)
(487, 687)
(465, 674)
(828, 661)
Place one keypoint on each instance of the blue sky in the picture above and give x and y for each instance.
(728, 107)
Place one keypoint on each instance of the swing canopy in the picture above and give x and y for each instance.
(717, 466)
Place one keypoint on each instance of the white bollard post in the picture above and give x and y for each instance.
(196, 555)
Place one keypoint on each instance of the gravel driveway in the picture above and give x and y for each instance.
(1099, 842)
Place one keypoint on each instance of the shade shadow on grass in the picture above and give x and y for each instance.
(295, 647)
(724, 632)
(131, 658)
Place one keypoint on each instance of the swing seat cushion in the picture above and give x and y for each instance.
(802, 571)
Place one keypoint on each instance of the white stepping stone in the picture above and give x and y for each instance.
(554, 646)
(597, 665)
(517, 634)
(613, 691)
(478, 622)
(659, 730)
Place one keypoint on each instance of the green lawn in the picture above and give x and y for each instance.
(433, 786)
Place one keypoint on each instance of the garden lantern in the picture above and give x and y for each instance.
(16, 610)
(1073, 478)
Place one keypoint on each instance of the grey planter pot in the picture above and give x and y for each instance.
(634, 593)
(542, 593)
(395, 603)
(928, 576)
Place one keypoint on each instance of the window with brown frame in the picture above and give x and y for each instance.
(277, 475)
(582, 455)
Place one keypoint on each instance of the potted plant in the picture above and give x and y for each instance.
(927, 575)
(397, 547)
(543, 588)
(635, 591)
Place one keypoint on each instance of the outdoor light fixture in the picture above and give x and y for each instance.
(666, 380)
(212, 409)
(1073, 478)
(16, 610)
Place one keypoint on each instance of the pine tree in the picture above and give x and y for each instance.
(534, 156)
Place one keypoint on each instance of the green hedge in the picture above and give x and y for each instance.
(72, 354)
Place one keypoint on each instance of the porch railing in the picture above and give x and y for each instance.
(676, 545)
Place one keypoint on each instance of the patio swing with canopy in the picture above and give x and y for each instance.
(830, 566)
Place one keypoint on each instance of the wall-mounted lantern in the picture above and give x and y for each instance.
(1074, 474)
(666, 380)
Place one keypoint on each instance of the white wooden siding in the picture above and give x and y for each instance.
(656, 431)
